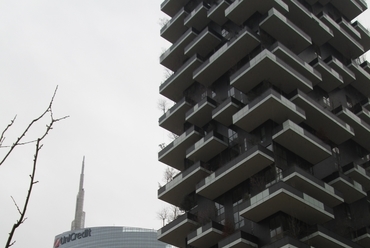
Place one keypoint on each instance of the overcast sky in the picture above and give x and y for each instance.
(104, 55)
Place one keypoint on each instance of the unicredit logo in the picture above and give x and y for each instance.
(72, 237)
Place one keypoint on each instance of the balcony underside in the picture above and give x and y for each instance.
(360, 175)
(217, 13)
(198, 18)
(350, 9)
(235, 172)
(270, 106)
(240, 11)
(302, 143)
(206, 148)
(206, 236)
(349, 191)
(364, 114)
(239, 239)
(174, 119)
(363, 239)
(322, 120)
(283, 200)
(330, 78)
(347, 75)
(226, 57)
(267, 66)
(308, 22)
(201, 113)
(182, 185)
(224, 112)
(171, 7)
(362, 129)
(362, 82)
(175, 27)
(279, 27)
(320, 239)
(203, 44)
(365, 35)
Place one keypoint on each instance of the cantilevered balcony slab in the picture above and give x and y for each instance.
(235, 172)
(364, 114)
(183, 184)
(366, 103)
(224, 112)
(365, 35)
(175, 232)
(347, 26)
(283, 197)
(204, 43)
(198, 17)
(362, 237)
(307, 183)
(362, 82)
(301, 142)
(361, 128)
(226, 57)
(322, 237)
(239, 239)
(322, 119)
(173, 120)
(171, 7)
(283, 30)
(269, 106)
(217, 12)
(342, 41)
(330, 77)
(296, 63)
(267, 66)
(350, 9)
(308, 22)
(208, 147)
(206, 236)
(287, 242)
(201, 113)
(175, 27)
(174, 153)
(239, 11)
(174, 56)
(359, 174)
(175, 85)
(347, 75)
(351, 190)
(366, 66)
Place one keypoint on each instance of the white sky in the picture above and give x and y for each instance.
(104, 55)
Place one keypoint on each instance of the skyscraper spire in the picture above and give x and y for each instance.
(79, 221)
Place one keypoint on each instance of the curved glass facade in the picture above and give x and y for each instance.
(109, 237)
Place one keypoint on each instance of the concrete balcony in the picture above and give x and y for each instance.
(198, 17)
(283, 197)
(362, 237)
(307, 183)
(226, 57)
(217, 12)
(349, 29)
(362, 82)
(330, 78)
(322, 237)
(175, 27)
(240, 10)
(351, 190)
(204, 43)
(364, 114)
(287, 242)
(173, 120)
(350, 9)
(308, 22)
(286, 32)
(174, 56)
(366, 66)
(183, 184)
(239, 239)
(175, 85)
(301, 142)
(347, 75)
(174, 153)
(269, 106)
(208, 147)
(359, 174)
(322, 119)
(171, 7)
(175, 232)
(206, 236)
(201, 113)
(342, 41)
(235, 172)
(224, 112)
(267, 66)
(366, 104)
(361, 128)
(296, 63)
(365, 35)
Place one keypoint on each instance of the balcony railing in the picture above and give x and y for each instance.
(239, 239)
(207, 235)
(224, 112)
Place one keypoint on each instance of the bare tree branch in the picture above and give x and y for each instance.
(2, 137)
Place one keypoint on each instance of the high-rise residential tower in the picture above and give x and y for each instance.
(272, 114)
(79, 221)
